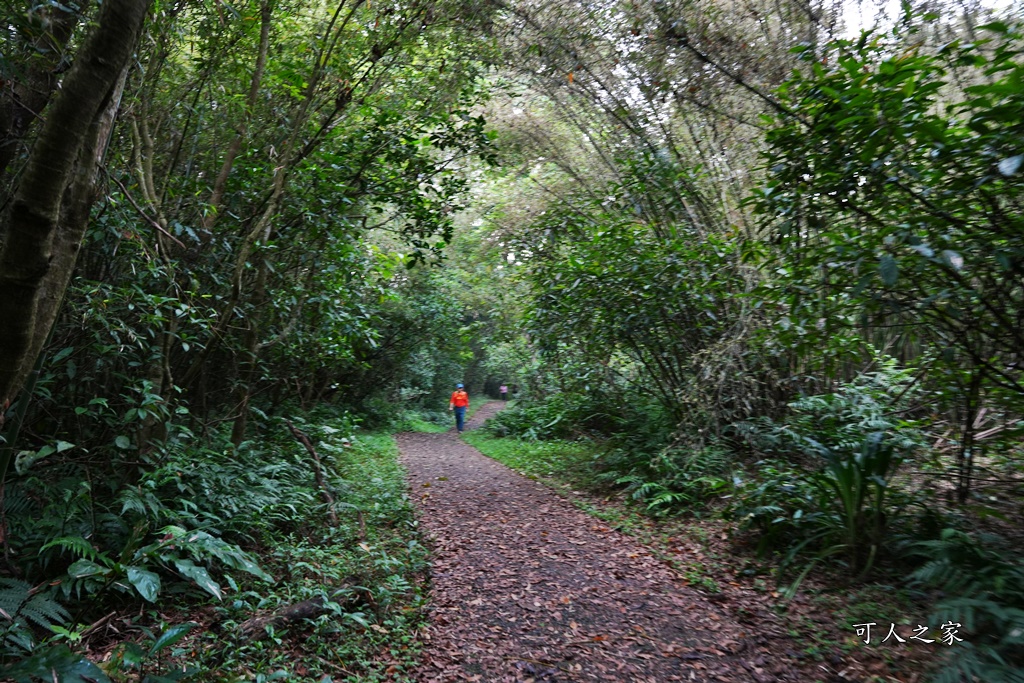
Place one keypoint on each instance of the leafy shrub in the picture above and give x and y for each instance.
(843, 505)
(983, 590)
(246, 493)
(779, 504)
(378, 413)
(841, 510)
(674, 478)
(566, 415)
(177, 551)
(183, 519)
(840, 420)
(423, 421)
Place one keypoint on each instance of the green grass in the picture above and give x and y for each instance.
(436, 421)
(415, 422)
(569, 464)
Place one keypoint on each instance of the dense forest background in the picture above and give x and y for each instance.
(765, 262)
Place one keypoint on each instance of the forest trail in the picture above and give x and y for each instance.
(526, 587)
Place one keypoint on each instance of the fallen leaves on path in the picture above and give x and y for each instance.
(525, 587)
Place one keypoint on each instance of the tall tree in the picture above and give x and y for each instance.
(46, 215)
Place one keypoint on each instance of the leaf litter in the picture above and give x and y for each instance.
(525, 587)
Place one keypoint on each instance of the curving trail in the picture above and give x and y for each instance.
(526, 587)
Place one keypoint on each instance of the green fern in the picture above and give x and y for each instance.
(78, 546)
(16, 500)
(143, 503)
(21, 607)
(987, 598)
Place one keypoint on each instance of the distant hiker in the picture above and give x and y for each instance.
(460, 399)
(503, 392)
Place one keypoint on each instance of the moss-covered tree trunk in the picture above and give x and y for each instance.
(48, 211)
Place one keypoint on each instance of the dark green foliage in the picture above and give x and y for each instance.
(674, 480)
(263, 198)
(876, 400)
(375, 550)
(176, 552)
(135, 538)
(892, 205)
(185, 523)
(982, 588)
(25, 609)
(56, 663)
(844, 510)
(564, 415)
(645, 311)
(270, 481)
(780, 503)
(841, 504)
(914, 220)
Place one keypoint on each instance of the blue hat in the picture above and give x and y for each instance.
(459, 385)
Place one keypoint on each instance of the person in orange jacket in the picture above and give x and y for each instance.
(460, 399)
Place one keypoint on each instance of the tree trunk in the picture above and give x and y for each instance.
(48, 214)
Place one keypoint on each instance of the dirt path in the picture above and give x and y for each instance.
(527, 587)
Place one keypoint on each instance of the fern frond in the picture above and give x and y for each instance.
(44, 611)
(16, 501)
(21, 606)
(79, 547)
(13, 594)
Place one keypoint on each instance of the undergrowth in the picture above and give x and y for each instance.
(212, 536)
(373, 550)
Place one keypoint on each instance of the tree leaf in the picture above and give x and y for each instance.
(171, 636)
(83, 569)
(145, 581)
(201, 577)
(889, 270)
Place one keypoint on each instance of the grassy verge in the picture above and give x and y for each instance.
(562, 463)
(431, 423)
